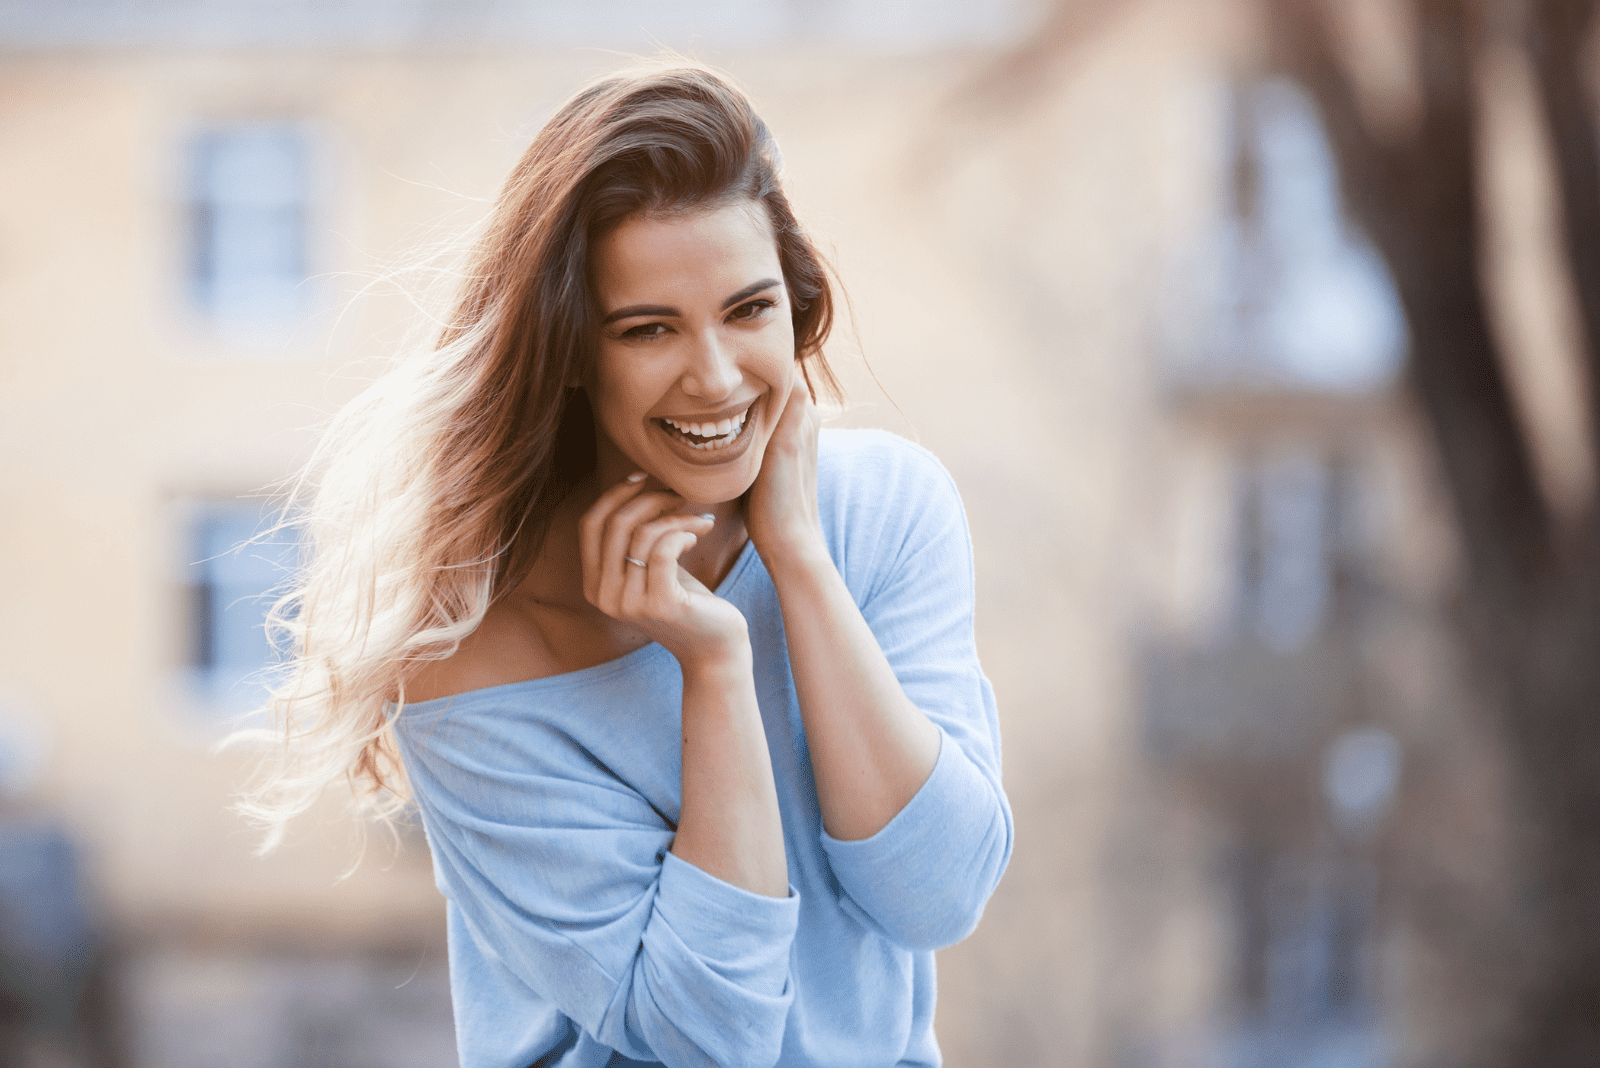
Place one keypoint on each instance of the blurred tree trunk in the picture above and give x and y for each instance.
(1529, 615)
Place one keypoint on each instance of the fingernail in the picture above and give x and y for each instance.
(708, 517)
(638, 476)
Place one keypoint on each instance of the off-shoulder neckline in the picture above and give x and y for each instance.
(591, 674)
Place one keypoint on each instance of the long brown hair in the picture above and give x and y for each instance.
(432, 491)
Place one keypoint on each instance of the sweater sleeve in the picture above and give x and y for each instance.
(924, 878)
(562, 875)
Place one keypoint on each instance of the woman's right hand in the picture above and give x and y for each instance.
(661, 598)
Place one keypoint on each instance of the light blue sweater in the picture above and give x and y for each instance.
(577, 939)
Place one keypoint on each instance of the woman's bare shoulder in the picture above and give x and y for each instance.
(505, 648)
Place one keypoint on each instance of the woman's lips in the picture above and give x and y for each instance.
(716, 449)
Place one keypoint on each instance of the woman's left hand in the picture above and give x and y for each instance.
(781, 513)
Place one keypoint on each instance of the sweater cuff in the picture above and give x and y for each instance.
(713, 982)
(924, 876)
(737, 932)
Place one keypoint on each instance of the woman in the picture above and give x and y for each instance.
(683, 689)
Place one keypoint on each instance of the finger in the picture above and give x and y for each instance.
(631, 587)
(800, 398)
(797, 409)
(591, 528)
(606, 539)
(662, 586)
(808, 412)
(624, 523)
(802, 388)
(645, 534)
(646, 537)
(618, 535)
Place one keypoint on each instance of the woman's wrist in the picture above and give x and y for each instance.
(727, 664)
(796, 559)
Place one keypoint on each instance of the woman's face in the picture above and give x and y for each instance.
(696, 350)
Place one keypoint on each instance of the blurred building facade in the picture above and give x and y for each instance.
(1209, 556)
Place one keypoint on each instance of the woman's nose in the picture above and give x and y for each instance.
(713, 372)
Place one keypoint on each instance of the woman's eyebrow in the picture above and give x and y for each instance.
(667, 311)
(749, 291)
(640, 309)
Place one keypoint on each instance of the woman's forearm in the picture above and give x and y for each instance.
(871, 748)
(729, 826)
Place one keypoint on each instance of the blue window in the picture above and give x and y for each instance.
(1282, 290)
(234, 576)
(1284, 521)
(249, 197)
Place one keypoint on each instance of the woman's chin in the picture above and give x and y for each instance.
(710, 489)
(700, 482)
(700, 476)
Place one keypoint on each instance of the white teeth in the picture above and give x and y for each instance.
(720, 434)
(713, 431)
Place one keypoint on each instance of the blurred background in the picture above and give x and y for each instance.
(1261, 338)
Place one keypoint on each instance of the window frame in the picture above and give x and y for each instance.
(222, 573)
(217, 297)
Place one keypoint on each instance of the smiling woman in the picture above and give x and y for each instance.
(683, 687)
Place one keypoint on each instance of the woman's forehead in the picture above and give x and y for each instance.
(648, 254)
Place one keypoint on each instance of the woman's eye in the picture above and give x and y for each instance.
(751, 309)
(645, 330)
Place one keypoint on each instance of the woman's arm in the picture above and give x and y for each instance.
(871, 747)
(901, 725)
(730, 826)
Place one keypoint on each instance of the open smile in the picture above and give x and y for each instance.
(708, 435)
